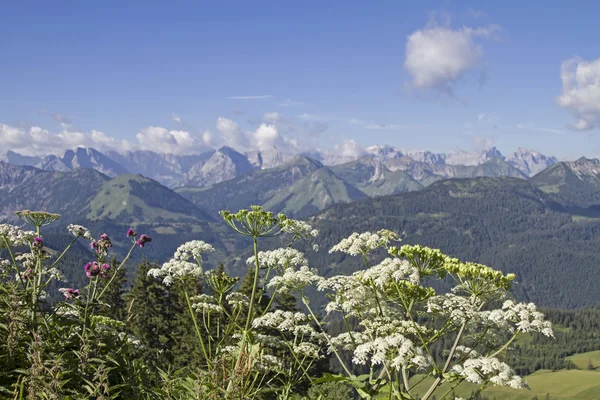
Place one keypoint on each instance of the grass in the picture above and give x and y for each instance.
(582, 360)
(563, 384)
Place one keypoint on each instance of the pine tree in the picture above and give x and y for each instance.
(152, 314)
(114, 298)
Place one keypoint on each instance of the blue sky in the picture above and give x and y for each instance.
(417, 75)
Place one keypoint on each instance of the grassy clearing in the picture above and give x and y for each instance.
(563, 384)
(582, 360)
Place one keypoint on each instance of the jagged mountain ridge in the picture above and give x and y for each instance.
(220, 165)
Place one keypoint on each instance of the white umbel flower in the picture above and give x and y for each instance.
(392, 270)
(298, 280)
(364, 243)
(280, 258)
(179, 266)
(79, 231)
(12, 236)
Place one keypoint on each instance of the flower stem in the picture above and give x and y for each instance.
(189, 304)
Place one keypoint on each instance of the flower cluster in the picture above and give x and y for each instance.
(12, 236)
(395, 350)
(457, 309)
(283, 321)
(192, 249)
(480, 370)
(295, 279)
(205, 304)
(79, 231)
(392, 270)
(94, 269)
(37, 218)
(299, 229)
(69, 293)
(525, 316)
(143, 240)
(364, 243)
(101, 245)
(349, 295)
(281, 259)
(179, 267)
(131, 233)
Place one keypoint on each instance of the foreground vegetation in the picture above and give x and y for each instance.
(399, 338)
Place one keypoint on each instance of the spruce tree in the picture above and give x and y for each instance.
(152, 313)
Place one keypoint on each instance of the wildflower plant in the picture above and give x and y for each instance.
(57, 344)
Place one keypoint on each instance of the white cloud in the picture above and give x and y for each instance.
(259, 97)
(266, 137)
(35, 141)
(232, 134)
(289, 135)
(438, 57)
(271, 117)
(162, 140)
(581, 92)
(349, 148)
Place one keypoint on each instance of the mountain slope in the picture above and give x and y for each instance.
(255, 187)
(313, 193)
(503, 222)
(91, 158)
(373, 178)
(574, 183)
(133, 198)
(13, 175)
(66, 193)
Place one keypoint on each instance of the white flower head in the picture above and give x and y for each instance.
(281, 259)
(13, 236)
(179, 267)
(79, 231)
(296, 279)
(477, 369)
(365, 242)
(299, 229)
(392, 270)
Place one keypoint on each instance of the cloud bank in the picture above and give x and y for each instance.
(581, 92)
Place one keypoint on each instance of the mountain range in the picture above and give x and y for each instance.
(226, 163)
(544, 227)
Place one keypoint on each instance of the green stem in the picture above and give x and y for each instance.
(438, 380)
(12, 257)
(337, 355)
(63, 253)
(501, 349)
(252, 297)
(189, 304)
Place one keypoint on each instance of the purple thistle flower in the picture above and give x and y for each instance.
(71, 293)
(38, 243)
(104, 269)
(93, 245)
(143, 240)
(131, 232)
(92, 269)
